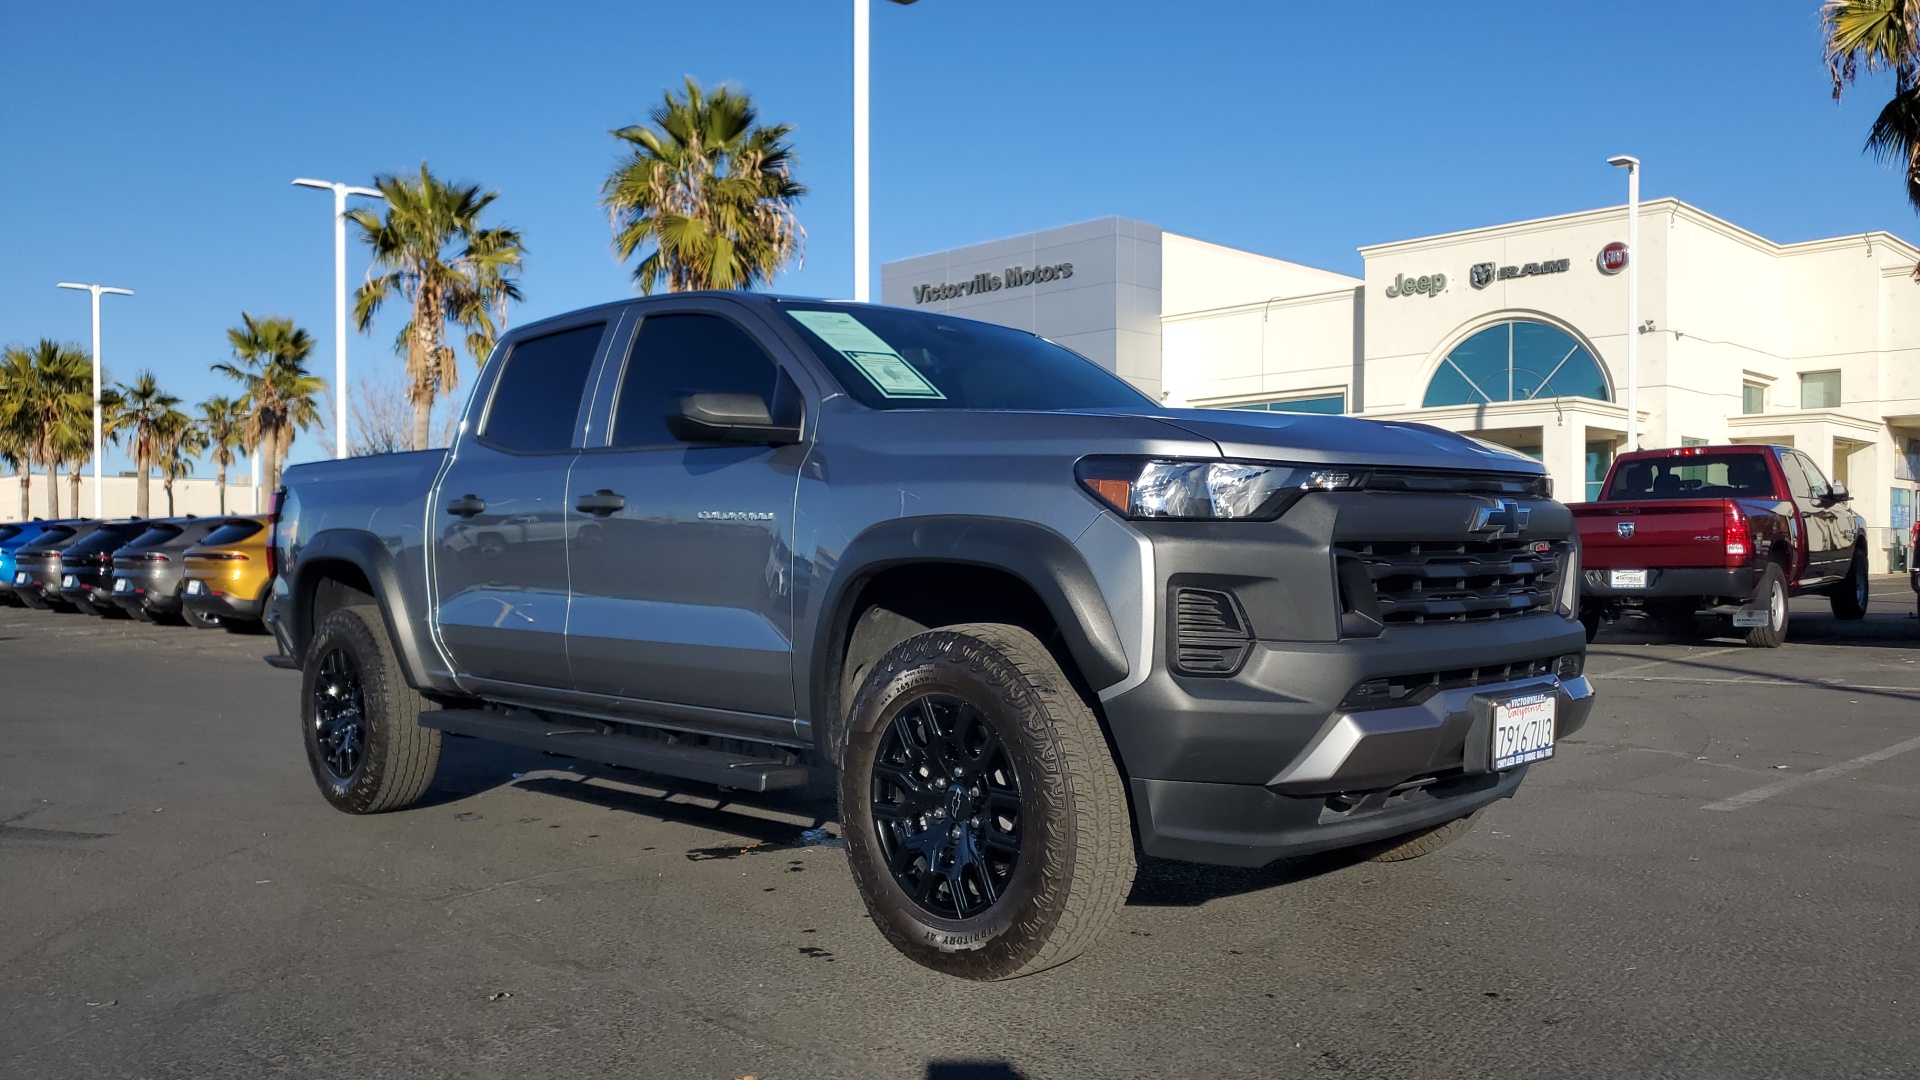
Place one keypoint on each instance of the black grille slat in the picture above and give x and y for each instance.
(1457, 581)
(1210, 633)
(1412, 689)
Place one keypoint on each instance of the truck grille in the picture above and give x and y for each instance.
(1413, 689)
(1458, 581)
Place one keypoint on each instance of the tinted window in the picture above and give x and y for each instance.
(1816, 480)
(1698, 476)
(1796, 480)
(107, 538)
(54, 537)
(159, 534)
(8, 532)
(892, 359)
(232, 533)
(538, 395)
(677, 355)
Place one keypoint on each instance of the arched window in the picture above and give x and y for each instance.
(1516, 361)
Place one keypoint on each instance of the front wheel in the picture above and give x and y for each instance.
(985, 821)
(360, 719)
(1773, 593)
(1849, 598)
(1426, 842)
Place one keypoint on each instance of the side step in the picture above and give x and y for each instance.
(701, 763)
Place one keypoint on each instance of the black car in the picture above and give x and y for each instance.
(149, 572)
(86, 567)
(37, 569)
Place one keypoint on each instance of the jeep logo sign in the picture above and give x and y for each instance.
(1613, 258)
(1424, 285)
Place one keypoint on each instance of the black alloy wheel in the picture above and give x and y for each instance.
(946, 806)
(339, 715)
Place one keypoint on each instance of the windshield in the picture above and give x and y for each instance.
(892, 359)
(1701, 476)
(231, 533)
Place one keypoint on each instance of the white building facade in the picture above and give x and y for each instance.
(1513, 333)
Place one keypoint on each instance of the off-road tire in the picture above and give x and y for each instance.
(1076, 859)
(198, 619)
(1425, 843)
(1773, 592)
(1849, 598)
(397, 765)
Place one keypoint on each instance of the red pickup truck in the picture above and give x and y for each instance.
(1726, 531)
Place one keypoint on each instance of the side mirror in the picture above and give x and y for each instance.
(1836, 495)
(729, 418)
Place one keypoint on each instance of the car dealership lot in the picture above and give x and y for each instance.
(1716, 877)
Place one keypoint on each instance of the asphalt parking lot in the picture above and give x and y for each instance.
(1716, 878)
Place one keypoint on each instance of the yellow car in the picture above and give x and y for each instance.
(228, 577)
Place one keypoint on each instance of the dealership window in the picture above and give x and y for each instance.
(1599, 460)
(1520, 360)
(1332, 404)
(1753, 399)
(1820, 390)
(1688, 440)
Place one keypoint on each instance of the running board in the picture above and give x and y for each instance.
(701, 763)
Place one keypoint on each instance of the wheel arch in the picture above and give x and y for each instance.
(333, 568)
(991, 569)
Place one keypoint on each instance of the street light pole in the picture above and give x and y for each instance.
(862, 265)
(1632, 165)
(340, 193)
(95, 290)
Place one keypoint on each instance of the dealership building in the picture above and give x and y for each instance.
(1513, 333)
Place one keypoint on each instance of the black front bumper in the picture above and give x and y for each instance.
(1710, 584)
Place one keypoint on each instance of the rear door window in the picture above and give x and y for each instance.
(537, 398)
(1817, 484)
(676, 355)
(1796, 478)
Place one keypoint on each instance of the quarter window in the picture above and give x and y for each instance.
(1820, 390)
(537, 399)
(1516, 361)
(677, 355)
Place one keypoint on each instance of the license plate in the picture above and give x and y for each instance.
(1744, 619)
(1522, 731)
(195, 588)
(21, 578)
(68, 582)
(1628, 579)
(121, 585)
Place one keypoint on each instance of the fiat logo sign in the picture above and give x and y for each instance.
(1613, 258)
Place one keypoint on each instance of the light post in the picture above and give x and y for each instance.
(861, 264)
(1632, 165)
(96, 290)
(340, 193)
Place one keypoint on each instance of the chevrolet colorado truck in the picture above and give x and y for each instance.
(1725, 531)
(1027, 621)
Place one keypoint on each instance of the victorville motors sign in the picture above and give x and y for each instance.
(1015, 277)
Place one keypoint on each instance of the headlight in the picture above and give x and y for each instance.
(1207, 490)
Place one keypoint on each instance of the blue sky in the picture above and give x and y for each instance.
(151, 146)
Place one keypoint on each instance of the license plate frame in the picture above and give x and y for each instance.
(23, 578)
(122, 585)
(1522, 730)
(69, 582)
(196, 587)
(1627, 579)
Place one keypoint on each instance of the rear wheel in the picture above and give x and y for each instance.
(985, 821)
(199, 620)
(360, 719)
(86, 607)
(1773, 594)
(1849, 598)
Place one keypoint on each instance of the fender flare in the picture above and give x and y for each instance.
(364, 552)
(1044, 560)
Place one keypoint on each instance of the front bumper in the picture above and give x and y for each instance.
(1709, 584)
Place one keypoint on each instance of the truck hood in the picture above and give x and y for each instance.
(1343, 440)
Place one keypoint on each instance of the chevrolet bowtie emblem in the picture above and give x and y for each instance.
(1505, 518)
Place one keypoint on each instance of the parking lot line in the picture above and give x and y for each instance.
(1910, 692)
(1667, 660)
(1748, 798)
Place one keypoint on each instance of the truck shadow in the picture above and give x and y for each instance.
(1165, 883)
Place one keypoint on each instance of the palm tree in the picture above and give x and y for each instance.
(1865, 36)
(13, 454)
(281, 397)
(47, 385)
(148, 416)
(710, 189)
(180, 442)
(224, 423)
(432, 252)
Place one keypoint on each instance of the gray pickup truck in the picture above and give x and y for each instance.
(1031, 623)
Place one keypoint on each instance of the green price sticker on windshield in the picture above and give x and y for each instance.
(887, 370)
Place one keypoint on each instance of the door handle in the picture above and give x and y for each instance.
(467, 506)
(601, 503)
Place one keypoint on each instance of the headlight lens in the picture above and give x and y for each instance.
(1158, 489)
